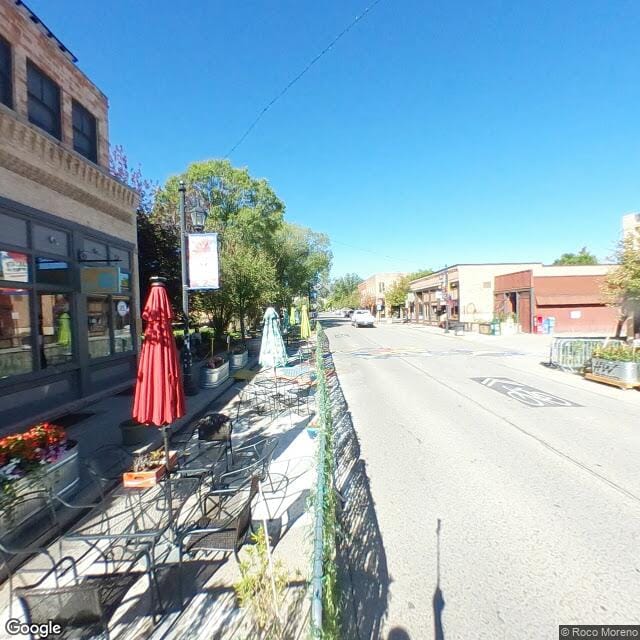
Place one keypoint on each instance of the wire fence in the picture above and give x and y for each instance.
(324, 597)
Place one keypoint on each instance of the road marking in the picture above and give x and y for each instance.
(525, 394)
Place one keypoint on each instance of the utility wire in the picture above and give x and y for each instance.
(322, 53)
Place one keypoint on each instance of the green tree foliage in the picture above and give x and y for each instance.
(621, 287)
(344, 292)
(421, 273)
(582, 257)
(397, 293)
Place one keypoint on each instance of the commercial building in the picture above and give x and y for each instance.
(467, 289)
(372, 291)
(569, 295)
(631, 227)
(68, 263)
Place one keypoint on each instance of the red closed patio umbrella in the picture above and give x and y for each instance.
(159, 395)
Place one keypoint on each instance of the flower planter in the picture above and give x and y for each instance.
(624, 372)
(149, 478)
(211, 378)
(60, 478)
(239, 360)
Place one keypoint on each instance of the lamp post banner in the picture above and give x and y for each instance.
(203, 260)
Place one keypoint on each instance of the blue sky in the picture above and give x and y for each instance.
(433, 132)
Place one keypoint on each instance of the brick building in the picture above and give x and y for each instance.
(372, 291)
(570, 294)
(68, 265)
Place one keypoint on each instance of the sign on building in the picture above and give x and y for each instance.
(100, 280)
(203, 261)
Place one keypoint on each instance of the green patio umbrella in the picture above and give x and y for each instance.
(292, 317)
(305, 327)
(272, 350)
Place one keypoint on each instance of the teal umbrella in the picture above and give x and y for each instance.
(272, 350)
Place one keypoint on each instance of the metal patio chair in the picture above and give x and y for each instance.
(81, 605)
(24, 524)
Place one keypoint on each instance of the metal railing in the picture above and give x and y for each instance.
(572, 354)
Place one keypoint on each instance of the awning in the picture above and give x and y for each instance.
(577, 299)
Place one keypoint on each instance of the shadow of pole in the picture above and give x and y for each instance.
(438, 598)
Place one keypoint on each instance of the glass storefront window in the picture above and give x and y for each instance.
(98, 326)
(14, 266)
(54, 272)
(55, 334)
(122, 325)
(15, 332)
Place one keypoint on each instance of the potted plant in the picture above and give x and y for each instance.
(619, 363)
(40, 458)
(133, 433)
(239, 356)
(214, 372)
(148, 469)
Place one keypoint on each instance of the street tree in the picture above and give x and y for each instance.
(421, 273)
(397, 293)
(621, 286)
(344, 292)
(582, 257)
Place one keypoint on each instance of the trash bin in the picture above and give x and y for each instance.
(458, 329)
(495, 328)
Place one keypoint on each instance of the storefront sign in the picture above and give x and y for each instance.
(122, 308)
(203, 261)
(576, 314)
(100, 280)
(15, 266)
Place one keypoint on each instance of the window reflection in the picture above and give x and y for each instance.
(55, 339)
(50, 271)
(122, 325)
(14, 266)
(98, 325)
(15, 332)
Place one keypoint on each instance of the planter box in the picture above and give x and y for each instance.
(61, 478)
(627, 372)
(239, 360)
(211, 378)
(150, 478)
(133, 433)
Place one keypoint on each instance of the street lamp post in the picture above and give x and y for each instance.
(446, 298)
(198, 217)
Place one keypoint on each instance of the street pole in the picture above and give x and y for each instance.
(446, 298)
(190, 388)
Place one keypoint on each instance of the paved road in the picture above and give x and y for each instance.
(539, 506)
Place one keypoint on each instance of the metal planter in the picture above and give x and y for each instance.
(239, 360)
(211, 378)
(60, 478)
(627, 372)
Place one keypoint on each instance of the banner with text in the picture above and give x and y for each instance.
(203, 261)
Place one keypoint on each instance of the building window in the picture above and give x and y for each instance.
(44, 101)
(85, 138)
(98, 325)
(15, 332)
(54, 272)
(6, 85)
(55, 333)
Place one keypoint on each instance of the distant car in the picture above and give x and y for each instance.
(344, 312)
(362, 318)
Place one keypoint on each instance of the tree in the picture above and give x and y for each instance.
(419, 274)
(582, 257)
(621, 286)
(397, 293)
(344, 292)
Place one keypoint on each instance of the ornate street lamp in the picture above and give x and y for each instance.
(198, 217)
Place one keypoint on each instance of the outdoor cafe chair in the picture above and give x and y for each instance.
(23, 526)
(219, 529)
(82, 605)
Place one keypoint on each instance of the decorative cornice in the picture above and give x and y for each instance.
(33, 154)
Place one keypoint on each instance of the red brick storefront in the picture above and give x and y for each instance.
(569, 294)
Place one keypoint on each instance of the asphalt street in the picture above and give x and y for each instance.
(507, 495)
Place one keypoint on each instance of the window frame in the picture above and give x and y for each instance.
(77, 108)
(6, 73)
(43, 79)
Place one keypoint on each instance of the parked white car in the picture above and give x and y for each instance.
(362, 318)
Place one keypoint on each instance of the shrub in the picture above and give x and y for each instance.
(617, 353)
